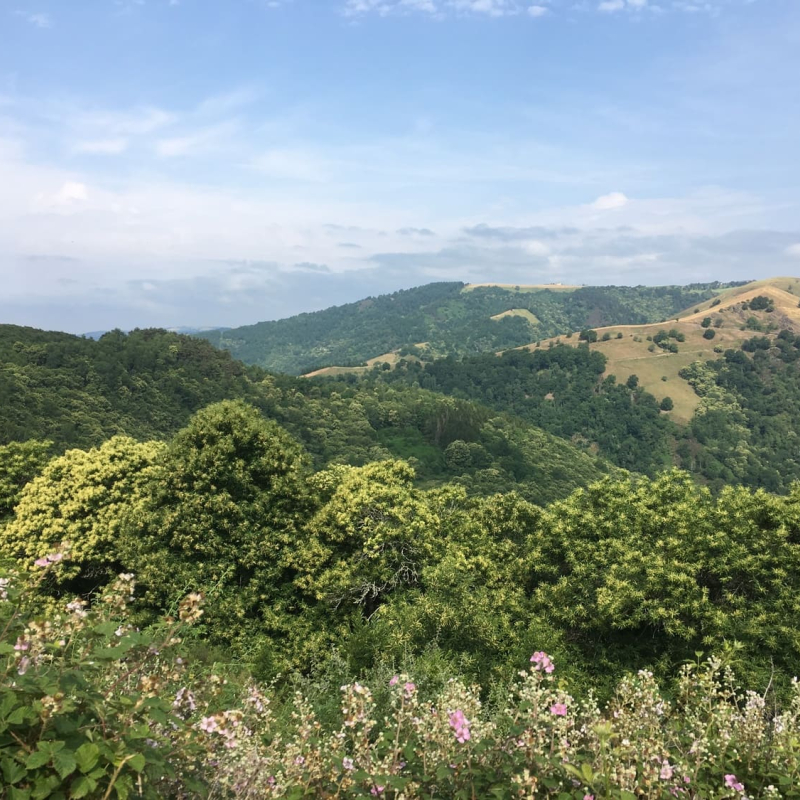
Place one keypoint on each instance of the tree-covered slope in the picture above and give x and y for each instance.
(79, 392)
(446, 319)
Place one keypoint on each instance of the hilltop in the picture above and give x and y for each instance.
(444, 319)
(731, 315)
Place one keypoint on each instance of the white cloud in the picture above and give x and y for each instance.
(70, 194)
(40, 20)
(293, 165)
(537, 11)
(793, 250)
(609, 6)
(198, 142)
(102, 146)
(610, 201)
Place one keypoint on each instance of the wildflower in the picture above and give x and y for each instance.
(460, 725)
(23, 665)
(559, 709)
(542, 662)
(22, 645)
(394, 680)
(377, 790)
(588, 797)
(666, 771)
(410, 688)
(208, 724)
(190, 609)
(184, 698)
(78, 608)
(4, 584)
(300, 760)
(41, 562)
(347, 763)
(732, 783)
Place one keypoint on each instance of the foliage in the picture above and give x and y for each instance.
(91, 706)
(749, 412)
(651, 571)
(148, 384)
(448, 320)
(223, 513)
(20, 462)
(86, 701)
(79, 392)
(82, 498)
(560, 390)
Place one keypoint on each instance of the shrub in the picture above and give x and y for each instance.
(709, 333)
(666, 404)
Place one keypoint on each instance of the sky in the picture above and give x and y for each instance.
(221, 162)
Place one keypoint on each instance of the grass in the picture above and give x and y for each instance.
(528, 287)
(518, 312)
(628, 357)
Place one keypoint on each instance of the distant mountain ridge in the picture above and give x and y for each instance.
(443, 319)
(183, 329)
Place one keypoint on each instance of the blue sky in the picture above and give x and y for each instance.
(219, 162)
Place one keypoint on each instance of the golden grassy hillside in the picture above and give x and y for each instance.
(658, 370)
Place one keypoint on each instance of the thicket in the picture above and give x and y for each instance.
(320, 583)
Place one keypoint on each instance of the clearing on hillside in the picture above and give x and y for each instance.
(518, 312)
(519, 287)
(732, 320)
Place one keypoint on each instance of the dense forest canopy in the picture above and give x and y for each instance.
(447, 320)
(421, 530)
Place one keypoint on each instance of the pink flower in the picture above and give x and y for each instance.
(208, 724)
(347, 762)
(542, 662)
(376, 790)
(23, 665)
(732, 783)
(666, 771)
(559, 709)
(410, 688)
(460, 725)
(300, 760)
(22, 645)
(588, 797)
(41, 562)
(394, 680)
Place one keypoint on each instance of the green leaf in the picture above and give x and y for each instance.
(123, 787)
(137, 762)
(81, 786)
(18, 794)
(65, 763)
(86, 756)
(38, 759)
(12, 771)
(19, 715)
(586, 772)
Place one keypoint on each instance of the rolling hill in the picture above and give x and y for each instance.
(732, 319)
(451, 319)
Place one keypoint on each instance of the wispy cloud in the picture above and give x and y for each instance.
(38, 19)
(439, 9)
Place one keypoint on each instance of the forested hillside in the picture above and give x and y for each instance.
(219, 582)
(80, 392)
(444, 319)
(742, 432)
